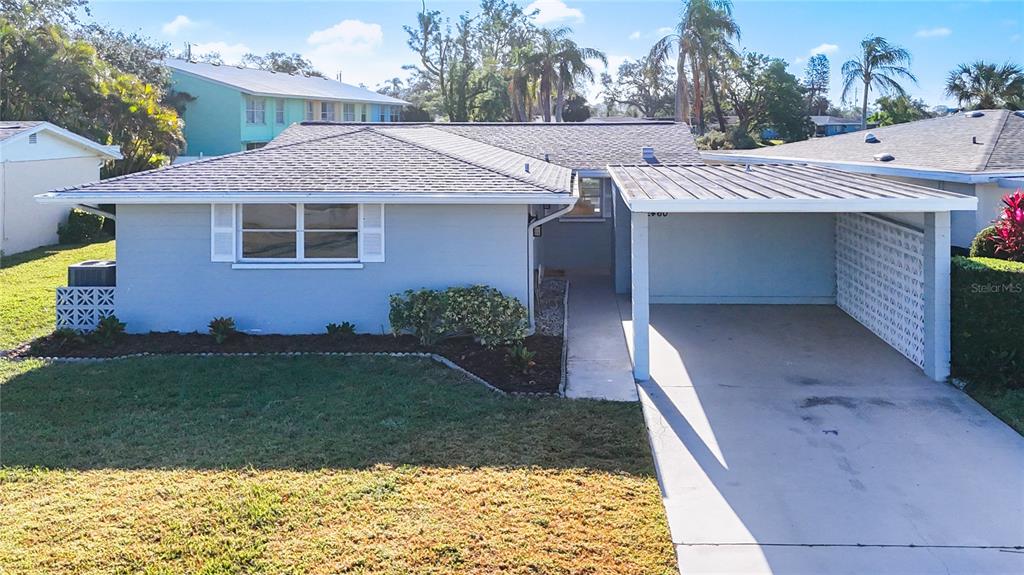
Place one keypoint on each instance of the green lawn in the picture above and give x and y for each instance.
(1005, 403)
(316, 465)
(28, 281)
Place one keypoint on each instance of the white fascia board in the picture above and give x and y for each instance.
(1011, 182)
(776, 206)
(866, 168)
(243, 90)
(109, 152)
(281, 198)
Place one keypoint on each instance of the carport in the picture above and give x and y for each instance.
(879, 250)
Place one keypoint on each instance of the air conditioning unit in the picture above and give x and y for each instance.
(93, 273)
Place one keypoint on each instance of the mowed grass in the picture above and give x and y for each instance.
(315, 465)
(28, 282)
(1004, 402)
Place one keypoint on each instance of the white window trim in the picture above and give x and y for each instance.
(605, 203)
(333, 116)
(299, 260)
(250, 107)
(279, 115)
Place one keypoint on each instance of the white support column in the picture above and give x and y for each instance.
(640, 296)
(936, 295)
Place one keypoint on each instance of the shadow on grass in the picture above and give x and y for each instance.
(13, 260)
(298, 413)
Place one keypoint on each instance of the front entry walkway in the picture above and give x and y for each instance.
(789, 439)
(598, 364)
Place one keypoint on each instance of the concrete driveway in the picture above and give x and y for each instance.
(789, 439)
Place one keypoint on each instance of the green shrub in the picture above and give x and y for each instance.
(221, 328)
(66, 337)
(108, 330)
(714, 140)
(983, 245)
(987, 314)
(421, 313)
(520, 358)
(81, 227)
(480, 311)
(343, 330)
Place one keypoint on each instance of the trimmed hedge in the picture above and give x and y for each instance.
(987, 298)
(81, 227)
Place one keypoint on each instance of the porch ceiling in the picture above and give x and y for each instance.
(773, 188)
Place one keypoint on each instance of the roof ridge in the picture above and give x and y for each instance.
(206, 160)
(472, 163)
(999, 136)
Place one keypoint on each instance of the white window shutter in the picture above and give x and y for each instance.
(371, 233)
(222, 232)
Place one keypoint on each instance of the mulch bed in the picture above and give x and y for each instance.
(490, 364)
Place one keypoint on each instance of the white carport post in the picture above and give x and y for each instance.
(936, 295)
(640, 297)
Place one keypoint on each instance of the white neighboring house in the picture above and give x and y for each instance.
(36, 157)
(978, 153)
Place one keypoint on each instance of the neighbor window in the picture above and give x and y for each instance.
(327, 111)
(363, 113)
(382, 113)
(310, 106)
(255, 111)
(300, 232)
(591, 202)
(396, 114)
(349, 113)
(279, 112)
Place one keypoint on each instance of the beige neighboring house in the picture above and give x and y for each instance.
(37, 157)
(979, 153)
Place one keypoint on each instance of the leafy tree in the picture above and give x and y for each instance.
(446, 59)
(764, 95)
(701, 36)
(880, 65)
(280, 62)
(131, 53)
(644, 85)
(576, 109)
(25, 14)
(574, 70)
(983, 85)
(816, 79)
(899, 110)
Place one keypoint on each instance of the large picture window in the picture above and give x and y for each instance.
(255, 111)
(300, 232)
(591, 205)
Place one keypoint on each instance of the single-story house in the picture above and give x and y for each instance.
(36, 157)
(979, 153)
(833, 125)
(326, 221)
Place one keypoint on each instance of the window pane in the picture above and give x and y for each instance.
(589, 204)
(268, 216)
(334, 245)
(268, 245)
(331, 216)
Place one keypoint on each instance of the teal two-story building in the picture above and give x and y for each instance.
(237, 108)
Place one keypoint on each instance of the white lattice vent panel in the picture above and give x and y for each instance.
(880, 279)
(82, 308)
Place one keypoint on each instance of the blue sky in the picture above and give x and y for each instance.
(366, 42)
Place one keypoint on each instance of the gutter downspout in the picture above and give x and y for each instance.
(531, 305)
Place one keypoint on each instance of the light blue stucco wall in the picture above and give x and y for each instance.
(166, 281)
(580, 246)
(742, 258)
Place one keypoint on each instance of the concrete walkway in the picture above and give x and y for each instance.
(598, 365)
(789, 439)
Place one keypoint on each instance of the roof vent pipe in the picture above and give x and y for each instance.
(884, 157)
(648, 155)
(547, 159)
(974, 139)
(526, 167)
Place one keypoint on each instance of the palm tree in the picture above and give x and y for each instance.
(985, 86)
(878, 66)
(704, 25)
(573, 68)
(549, 47)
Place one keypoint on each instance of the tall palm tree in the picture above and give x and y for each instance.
(985, 86)
(573, 68)
(549, 46)
(703, 26)
(880, 65)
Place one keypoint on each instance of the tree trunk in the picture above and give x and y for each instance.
(560, 105)
(545, 95)
(864, 109)
(682, 90)
(715, 100)
(698, 96)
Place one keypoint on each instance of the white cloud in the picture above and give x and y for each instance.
(344, 48)
(230, 53)
(939, 32)
(635, 35)
(826, 49)
(1015, 38)
(551, 11)
(349, 37)
(180, 22)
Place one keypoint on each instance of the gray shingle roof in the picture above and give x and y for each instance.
(264, 83)
(945, 143)
(581, 146)
(8, 129)
(356, 161)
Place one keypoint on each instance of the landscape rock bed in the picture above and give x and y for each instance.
(491, 365)
(550, 314)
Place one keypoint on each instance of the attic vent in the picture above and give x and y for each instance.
(33, 138)
(871, 138)
(648, 155)
(975, 114)
(884, 157)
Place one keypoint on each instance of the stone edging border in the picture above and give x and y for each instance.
(433, 356)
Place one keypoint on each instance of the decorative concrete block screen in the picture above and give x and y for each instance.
(83, 307)
(880, 279)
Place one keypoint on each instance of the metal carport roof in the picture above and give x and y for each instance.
(773, 188)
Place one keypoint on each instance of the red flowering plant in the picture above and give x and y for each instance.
(1009, 228)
